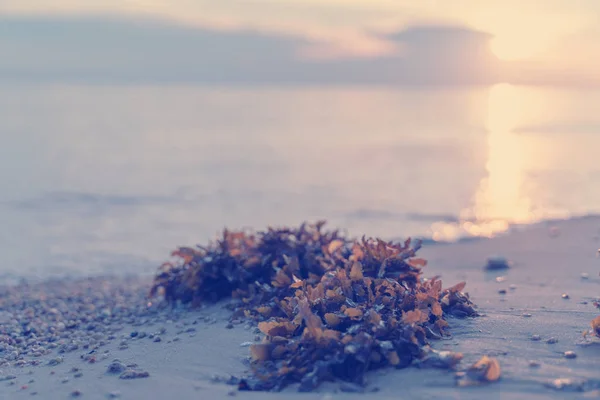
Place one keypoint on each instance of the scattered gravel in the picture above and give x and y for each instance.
(63, 316)
(43, 323)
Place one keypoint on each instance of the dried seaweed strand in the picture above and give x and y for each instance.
(330, 307)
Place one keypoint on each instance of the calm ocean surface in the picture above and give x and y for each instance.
(110, 179)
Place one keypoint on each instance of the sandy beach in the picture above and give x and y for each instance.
(299, 200)
(99, 338)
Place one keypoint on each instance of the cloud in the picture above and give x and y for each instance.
(437, 54)
(112, 49)
(95, 49)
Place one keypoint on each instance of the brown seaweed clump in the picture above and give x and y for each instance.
(330, 307)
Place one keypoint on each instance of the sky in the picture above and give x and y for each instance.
(387, 41)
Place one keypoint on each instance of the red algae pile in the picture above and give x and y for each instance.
(330, 307)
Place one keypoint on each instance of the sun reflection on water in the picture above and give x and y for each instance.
(501, 199)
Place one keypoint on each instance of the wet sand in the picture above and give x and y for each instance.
(526, 324)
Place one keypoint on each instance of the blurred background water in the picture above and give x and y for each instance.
(111, 178)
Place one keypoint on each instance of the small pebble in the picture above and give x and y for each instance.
(76, 393)
(113, 395)
(536, 338)
(502, 291)
(229, 326)
(497, 262)
(157, 339)
(566, 385)
(500, 279)
(552, 340)
(512, 286)
(534, 364)
(570, 354)
(565, 296)
(133, 374)
(116, 367)
(585, 275)
(55, 361)
(526, 315)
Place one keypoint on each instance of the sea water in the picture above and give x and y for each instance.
(109, 179)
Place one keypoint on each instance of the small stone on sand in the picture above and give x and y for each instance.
(496, 263)
(134, 374)
(116, 367)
